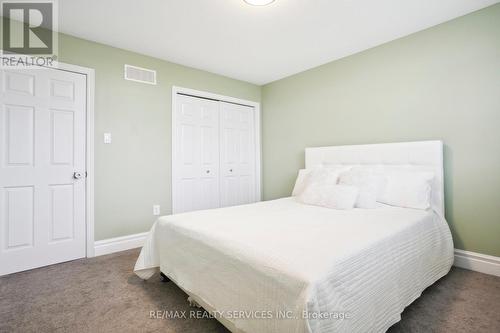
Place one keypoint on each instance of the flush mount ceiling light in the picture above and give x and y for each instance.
(258, 2)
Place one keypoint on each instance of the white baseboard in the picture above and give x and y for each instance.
(112, 245)
(477, 262)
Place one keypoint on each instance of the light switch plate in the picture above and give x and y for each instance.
(107, 137)
(156, 210)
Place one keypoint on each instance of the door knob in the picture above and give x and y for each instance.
(208, 171)
(230, 170)
(77, 175)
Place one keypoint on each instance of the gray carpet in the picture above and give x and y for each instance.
(103, 295)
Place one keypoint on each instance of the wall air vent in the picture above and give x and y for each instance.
(138, 74)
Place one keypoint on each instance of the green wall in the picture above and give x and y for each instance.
(441, 83)
(133, 172)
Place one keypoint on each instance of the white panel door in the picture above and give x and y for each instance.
(195, 154)
(42, 145)
(237, 156)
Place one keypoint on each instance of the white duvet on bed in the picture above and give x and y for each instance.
(358, 268)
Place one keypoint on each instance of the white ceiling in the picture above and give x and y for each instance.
(254, 44)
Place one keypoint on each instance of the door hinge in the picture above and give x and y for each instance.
(86, 174)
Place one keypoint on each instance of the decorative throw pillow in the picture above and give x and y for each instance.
(329, 196)
(327, 174)
(369, 184)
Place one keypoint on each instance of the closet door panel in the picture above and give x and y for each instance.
(196, 154)
(237, 154)
(209, 155)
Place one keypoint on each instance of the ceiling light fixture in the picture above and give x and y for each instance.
(258, 2)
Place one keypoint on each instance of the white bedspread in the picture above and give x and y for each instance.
(358, 268)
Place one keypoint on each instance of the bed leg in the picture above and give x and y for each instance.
(164, 278)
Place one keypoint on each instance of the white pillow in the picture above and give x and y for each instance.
(301, 182)
(370, 185)
(410, 189)
(328, 175)
(325, 175)
(326, 195)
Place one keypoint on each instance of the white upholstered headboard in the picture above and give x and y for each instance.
(425, 154)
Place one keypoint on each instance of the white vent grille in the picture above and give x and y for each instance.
(138, 74)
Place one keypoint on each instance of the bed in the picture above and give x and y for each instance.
(282, 266)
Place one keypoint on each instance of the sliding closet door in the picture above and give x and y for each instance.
(195, 154)
(237, 154)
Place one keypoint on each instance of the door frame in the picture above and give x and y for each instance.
(204, 94)
(89, 141)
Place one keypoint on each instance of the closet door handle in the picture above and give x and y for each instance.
(77, 175)
(208, 171)
(230, 170)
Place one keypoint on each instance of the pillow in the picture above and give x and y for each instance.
(300, 182)
(409, 189)
(328, 196)
(370, 185)
(328, 175)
